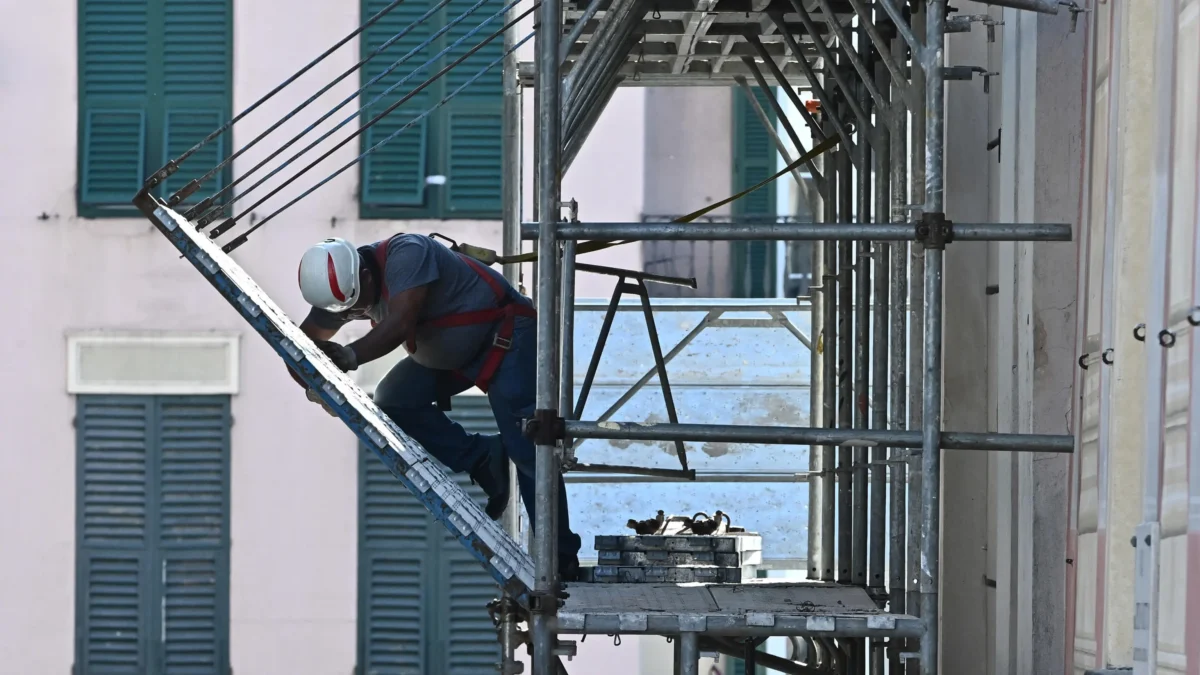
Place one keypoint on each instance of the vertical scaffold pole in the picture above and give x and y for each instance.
(817, 493)
(510, 188)
(845, 376)
(829, 288)
(546, 475)
(916, 328)
(899, 411)
(931, 452)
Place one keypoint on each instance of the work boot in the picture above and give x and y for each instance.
(491, 474)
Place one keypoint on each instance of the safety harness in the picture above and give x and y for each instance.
(506, 312)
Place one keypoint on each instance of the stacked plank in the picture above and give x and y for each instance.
(677, 556)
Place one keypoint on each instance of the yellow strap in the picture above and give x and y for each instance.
(489, 256)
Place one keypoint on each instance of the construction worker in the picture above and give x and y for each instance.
(462, 324)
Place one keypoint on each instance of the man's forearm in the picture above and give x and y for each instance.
(387, 336)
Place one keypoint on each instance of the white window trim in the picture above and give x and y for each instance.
(229, 383)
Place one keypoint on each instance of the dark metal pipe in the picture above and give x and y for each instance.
(845, 377)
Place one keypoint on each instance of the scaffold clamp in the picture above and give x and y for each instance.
(546, 427)
(934, 230)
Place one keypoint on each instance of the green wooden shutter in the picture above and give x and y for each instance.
(753, 161)
(394, 175)
(197, 88)
(112, 597)
(154, 78)
(154, 546)
(422, 597)
(114, 64)
(193, 533)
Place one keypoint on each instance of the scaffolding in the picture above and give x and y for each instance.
(877, 71)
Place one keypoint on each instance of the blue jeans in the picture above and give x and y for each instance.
(407, 394)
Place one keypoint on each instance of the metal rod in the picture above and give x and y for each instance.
(661, 366)
(566, 336)
(829, 283)
(916, 332)
(898, 386)
(862, 356)
(510, 189)
(549, 122)
(682, 474)
(844, 45)
(818, 177)
(577, 30)
(845, 438)
(598, 350)
(839, 125)
(838, 231)
(1042, 6)
(627, 475)
(861, 115)
(633, 274)
(881, 45)
(902, 26)
(766, 660)
(689, 654)
(879, 358)
(931, 455)
(579, 134)
(816, 393)
(845, 377)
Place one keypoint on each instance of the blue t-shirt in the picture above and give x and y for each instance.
(454, 287)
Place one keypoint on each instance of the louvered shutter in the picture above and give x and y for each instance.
(113, 84)
(153, 535)
(422, 597)
(472, 129)
(154, 78)
(112, 597)
(394, 174)
(193, 507)
(393, 548)
(754, 160)
(197, 77)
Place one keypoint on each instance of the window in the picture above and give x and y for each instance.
(422, 598)
(753, 161)
(460, 141)
(154, 79)
(152, 531)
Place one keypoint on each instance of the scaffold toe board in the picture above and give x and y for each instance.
(405, 458)
(764, 607)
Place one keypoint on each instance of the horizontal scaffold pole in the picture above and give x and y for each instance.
(727, 433)
(798, 231)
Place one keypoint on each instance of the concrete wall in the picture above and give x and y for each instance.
(293, 593)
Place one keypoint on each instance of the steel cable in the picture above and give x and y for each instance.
(204, 205)
(225, 127)
(216, 210)
(232, 221)
(242, 239)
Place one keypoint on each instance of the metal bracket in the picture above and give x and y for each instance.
(545, 427)
(934, 230)
(967, 72)
(1139, 332)
(1075, 11)
(962, 24)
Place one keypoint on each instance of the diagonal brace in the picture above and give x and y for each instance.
(818, 178)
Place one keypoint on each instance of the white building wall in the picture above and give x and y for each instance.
(294, 481)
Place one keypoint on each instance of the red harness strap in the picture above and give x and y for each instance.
(506, 313)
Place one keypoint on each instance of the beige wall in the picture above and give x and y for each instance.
(293, 472)
(1138, 412)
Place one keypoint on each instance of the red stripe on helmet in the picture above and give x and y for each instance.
(333, 282)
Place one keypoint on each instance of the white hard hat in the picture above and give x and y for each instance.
(329, 275)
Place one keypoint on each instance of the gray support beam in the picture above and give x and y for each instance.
(817, 495)
(931, 450)
(689, 654)
(845, 377)
(902, 26)
(862, 367)
(577, 30)
(510, 189)
(879, 358)
(829, 283)
(864, 15)
(547, 472)
(897, 464)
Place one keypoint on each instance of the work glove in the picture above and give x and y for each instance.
(342, 356)
(316, 398)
